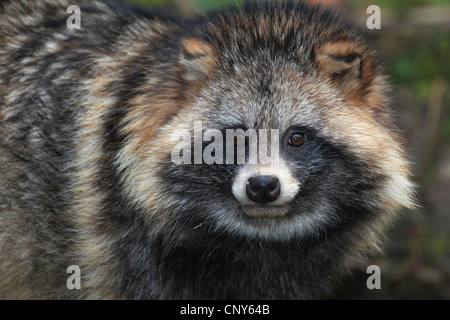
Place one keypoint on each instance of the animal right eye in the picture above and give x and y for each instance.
(297, 139)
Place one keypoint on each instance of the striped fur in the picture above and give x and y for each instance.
(86, 178)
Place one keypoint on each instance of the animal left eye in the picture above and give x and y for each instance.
(297, 139)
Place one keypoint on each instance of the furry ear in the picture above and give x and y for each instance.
(198, 59)
(347, 63)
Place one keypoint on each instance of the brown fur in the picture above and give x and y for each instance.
(85, 140)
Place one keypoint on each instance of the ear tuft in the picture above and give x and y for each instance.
(340, 59)
(198, 58)
(349, 64)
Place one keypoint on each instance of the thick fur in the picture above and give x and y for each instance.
(86, 178)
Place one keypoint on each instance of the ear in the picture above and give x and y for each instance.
(198, 59)
(349, 64)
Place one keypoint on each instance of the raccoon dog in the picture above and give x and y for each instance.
(87, 170)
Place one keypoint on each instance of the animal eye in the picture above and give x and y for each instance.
(297, 139)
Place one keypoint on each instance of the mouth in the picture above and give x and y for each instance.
(265, 211)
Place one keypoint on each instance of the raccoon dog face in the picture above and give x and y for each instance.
(308, 75)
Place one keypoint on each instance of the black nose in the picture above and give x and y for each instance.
(263, 189)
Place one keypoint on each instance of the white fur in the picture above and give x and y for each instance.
(288, 184)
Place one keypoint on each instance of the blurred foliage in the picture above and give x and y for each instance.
(416, 263)
(398, 6)
(411, 69)
(446, 126)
